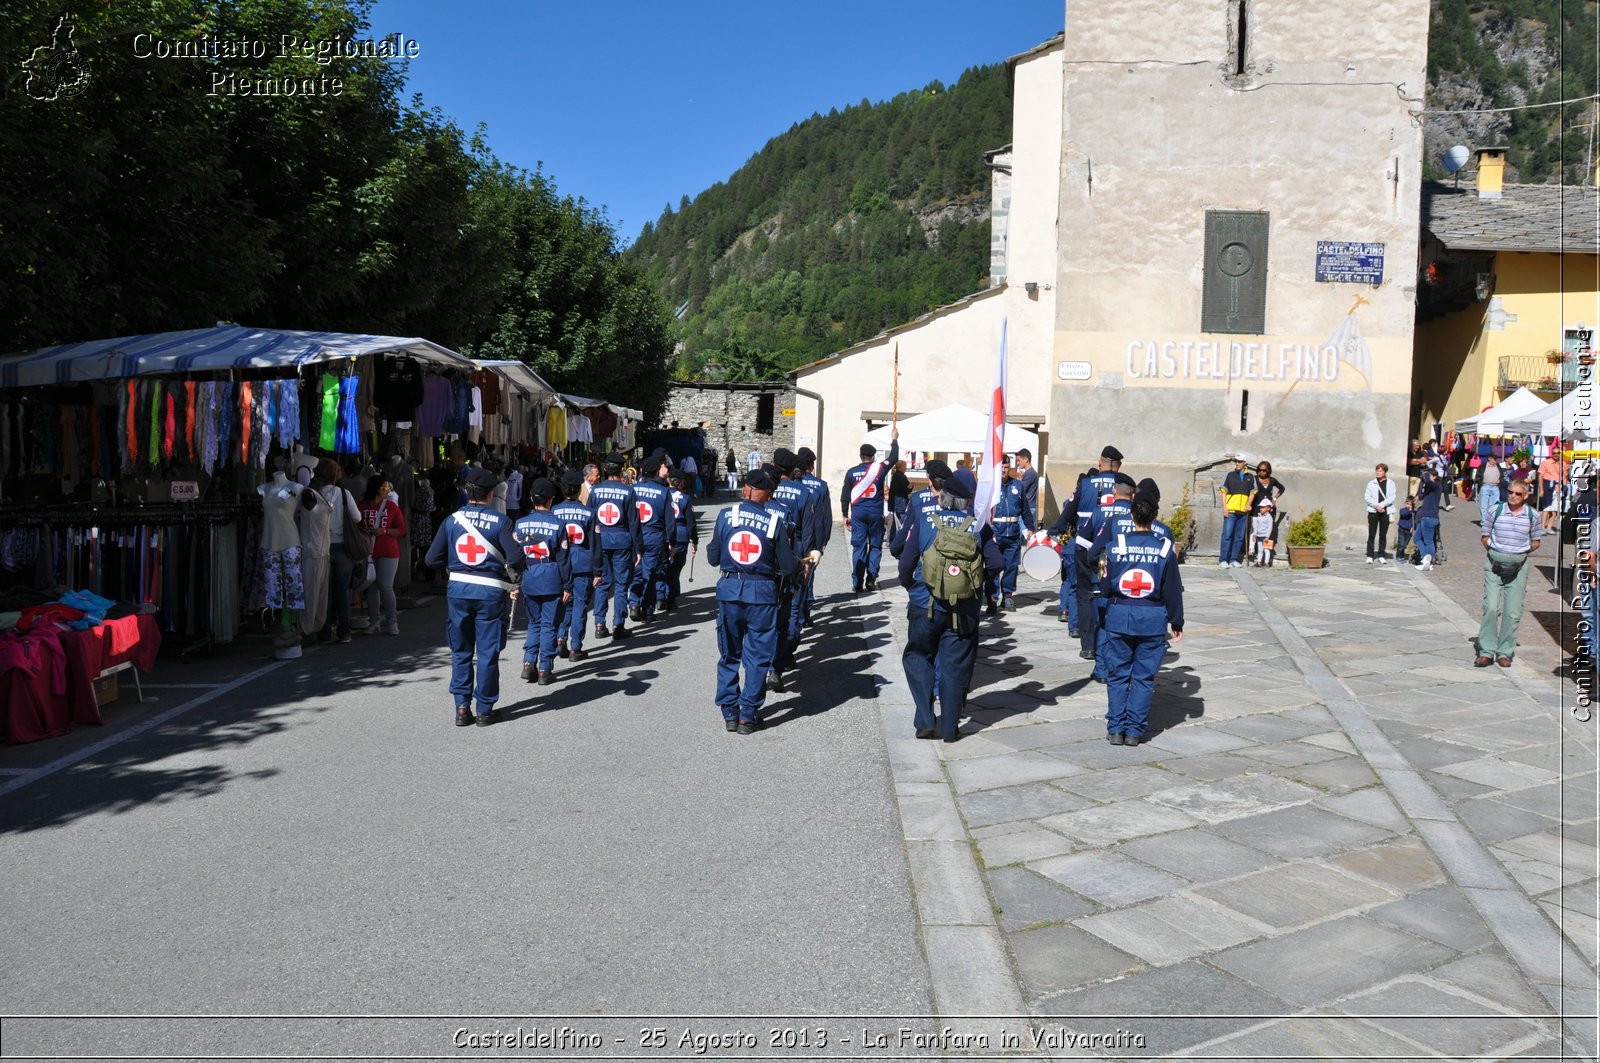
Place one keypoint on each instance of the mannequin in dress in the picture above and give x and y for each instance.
(281, 553)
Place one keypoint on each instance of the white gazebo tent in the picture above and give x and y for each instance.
(1493, 421)
(952, 429)
(1569, 417)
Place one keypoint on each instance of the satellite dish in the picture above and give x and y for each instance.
(1456, 158)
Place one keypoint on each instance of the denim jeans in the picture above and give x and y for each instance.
(1427, 528)
(1234, 528)
(341, 568)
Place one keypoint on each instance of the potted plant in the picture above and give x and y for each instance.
(1308, 540)
(1554, 357)
(1182, 524)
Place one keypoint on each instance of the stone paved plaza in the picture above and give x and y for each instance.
(1342, 840)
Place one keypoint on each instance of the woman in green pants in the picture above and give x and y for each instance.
(1511, 533)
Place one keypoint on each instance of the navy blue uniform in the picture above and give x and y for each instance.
(751, 547)
(823, 498)
(941, 644)
(653, 502)
(542, 537)
(1011, 524)
(1095, 492)
(685, 533)
(799, 506)
(865, 516)
(573, 618)
(921, 501)
(617, 521)
(1144, 594)
(1065, 531)
(475, 545)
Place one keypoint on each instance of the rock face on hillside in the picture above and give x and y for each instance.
(1494, 59)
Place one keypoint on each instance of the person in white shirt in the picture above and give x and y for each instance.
(1380, 503)
(1511, 533)
(752, 460)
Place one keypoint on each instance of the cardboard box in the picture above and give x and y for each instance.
(105, 689)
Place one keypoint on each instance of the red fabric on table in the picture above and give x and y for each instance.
(33, 682)
(47, 674)
(129, 638)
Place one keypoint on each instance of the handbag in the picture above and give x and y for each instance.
(365, 575)
(357, 539)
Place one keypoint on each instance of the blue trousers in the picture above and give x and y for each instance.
(937, 654)
(1099, 603)
(1235, 526)
(616, 569)
(1069, 590)
(747, 638)
(1088, 615)
(1131, 662)
(1011, 550)
(475, 629)
(650, 577)
(544, 615)
(675, 567)
(791, 624)
(1427, 535)
(866, 544)
(572, 621)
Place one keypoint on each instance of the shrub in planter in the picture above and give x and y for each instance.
(1308, 540)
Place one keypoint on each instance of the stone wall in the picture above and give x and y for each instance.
(729, 413)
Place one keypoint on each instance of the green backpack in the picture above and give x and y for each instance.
(952, 565)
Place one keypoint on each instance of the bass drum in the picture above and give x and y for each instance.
(1042, 562)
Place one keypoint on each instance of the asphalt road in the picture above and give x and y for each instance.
(322, 840)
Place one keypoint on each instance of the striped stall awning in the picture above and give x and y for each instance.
(223, 348)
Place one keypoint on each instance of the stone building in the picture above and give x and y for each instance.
(1238, 231)
(735, 416)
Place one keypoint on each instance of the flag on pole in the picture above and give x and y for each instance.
(993, 458)
(1352, 348)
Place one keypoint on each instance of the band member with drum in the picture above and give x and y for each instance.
(1144, 595)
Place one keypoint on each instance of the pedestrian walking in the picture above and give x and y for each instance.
(475, 545)
(861, 504)
(652, 499)
(1380, 504)
(823, 499)
(1144, 596)
(1429, 495)
(752, 460)
(946, 559)
(1011, 526)
(381, 516)
(617, 521)
(733, 471)
(1238, 489)
(750, 545)
(546, 580)
(1511, 534)
(899, 499)
(578, 520)
(1489, 489)
(684, 540)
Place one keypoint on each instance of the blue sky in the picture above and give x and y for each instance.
(633, 105)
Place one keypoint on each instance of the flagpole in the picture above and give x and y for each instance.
(894, 413)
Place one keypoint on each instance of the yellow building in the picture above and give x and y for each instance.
(1509, 291)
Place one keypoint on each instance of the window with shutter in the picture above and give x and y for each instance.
(1235, 295)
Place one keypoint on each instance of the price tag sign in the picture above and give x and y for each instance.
(185, 491)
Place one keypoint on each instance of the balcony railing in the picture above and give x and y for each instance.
(1537, 373)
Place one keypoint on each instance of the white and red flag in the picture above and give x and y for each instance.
(994, 456)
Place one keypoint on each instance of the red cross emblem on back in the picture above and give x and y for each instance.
(575, 534)
(1136, 583)
(608, 513)
(745, 548)
(470, 549)
(539, 550)
(646, 511)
